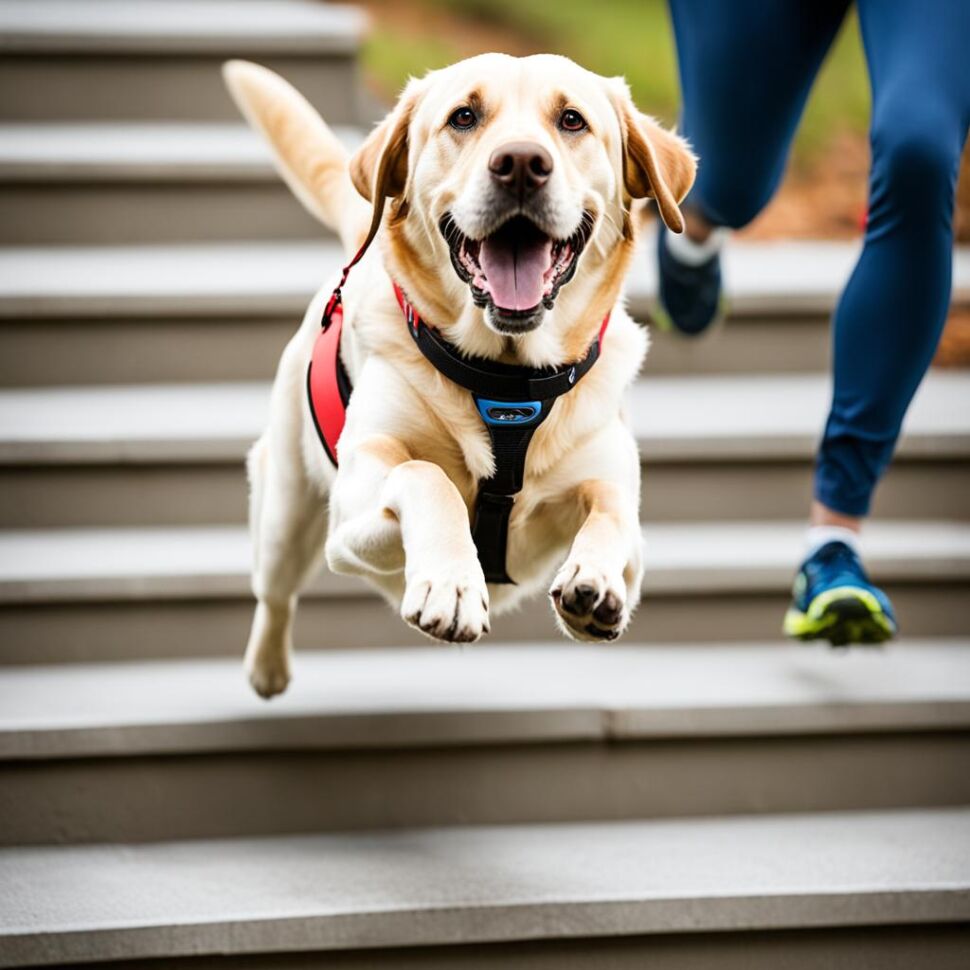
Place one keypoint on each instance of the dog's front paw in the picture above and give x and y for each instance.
(451, 605)
(590, 607)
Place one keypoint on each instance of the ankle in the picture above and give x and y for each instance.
(826, 525)
(690, 252)
(822, 515)
(817, 536)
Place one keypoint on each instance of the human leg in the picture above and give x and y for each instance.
(746, 69)
(889, 320)
(890, 317)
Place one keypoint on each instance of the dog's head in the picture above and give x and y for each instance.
(510, 176)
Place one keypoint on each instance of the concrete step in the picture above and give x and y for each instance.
(488, 735)
(474, 885)
(138, 182)
(106, 594)
(72, 315)
(172, 454)
(160, 59)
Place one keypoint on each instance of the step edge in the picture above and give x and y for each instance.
(230, 450)
(45, 168)
(225, 573)
(693, 581)
(285, 299)
(393, 731)
(533, 920)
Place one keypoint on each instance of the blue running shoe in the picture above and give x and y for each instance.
(689, 297)
(833, 599)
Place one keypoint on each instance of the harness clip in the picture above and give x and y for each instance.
(331, 308)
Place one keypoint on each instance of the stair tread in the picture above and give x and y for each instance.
(756, 416)
(674, 418)
(257, 277)
(512, 693)
(484, 883)
(138, 150)
(52, 565)
(245, 278)
(178, 26)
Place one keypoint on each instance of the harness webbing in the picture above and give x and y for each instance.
(512, 402)
(327, 381)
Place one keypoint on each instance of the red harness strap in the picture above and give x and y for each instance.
(325, 388)
(327, 382)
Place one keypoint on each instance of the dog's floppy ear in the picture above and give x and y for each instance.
(657, 163)
(379, 168)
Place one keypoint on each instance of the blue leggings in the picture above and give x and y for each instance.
(746, 69)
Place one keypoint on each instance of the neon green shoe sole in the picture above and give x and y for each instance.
(843, 615)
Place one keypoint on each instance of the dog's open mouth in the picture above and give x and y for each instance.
(518, 269)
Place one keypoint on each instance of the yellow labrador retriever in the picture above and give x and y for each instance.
(509, 227)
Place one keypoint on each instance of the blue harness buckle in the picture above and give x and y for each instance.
(504, 413)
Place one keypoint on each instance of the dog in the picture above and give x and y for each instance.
(511, 188)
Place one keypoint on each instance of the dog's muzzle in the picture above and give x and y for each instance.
(517, 270)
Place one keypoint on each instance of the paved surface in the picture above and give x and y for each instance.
(483, 695)
(198, 562)
(484, 884)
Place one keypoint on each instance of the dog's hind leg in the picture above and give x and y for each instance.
(288, 524)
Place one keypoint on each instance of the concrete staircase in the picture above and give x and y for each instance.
(699, 796)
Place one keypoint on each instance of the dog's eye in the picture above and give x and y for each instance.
(571, 120)
(463, 118)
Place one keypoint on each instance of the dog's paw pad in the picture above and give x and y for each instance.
(578, 599)
(588, 605)
(609, 612)
(452, 607)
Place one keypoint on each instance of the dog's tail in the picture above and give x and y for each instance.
(308, 155)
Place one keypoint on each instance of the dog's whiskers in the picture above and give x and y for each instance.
(452, 233)
(600, 245)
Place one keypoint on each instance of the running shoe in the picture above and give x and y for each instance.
(689, 297)
(833, 599)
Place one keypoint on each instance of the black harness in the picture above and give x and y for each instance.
(512, 401)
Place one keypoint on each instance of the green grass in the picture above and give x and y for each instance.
(390, 62)
(628, 37)
(841, 99)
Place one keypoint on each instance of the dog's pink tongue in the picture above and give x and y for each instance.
(514, 270)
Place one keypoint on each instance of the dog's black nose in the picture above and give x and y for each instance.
(521, 166)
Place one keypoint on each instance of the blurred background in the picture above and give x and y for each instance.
(824, 192)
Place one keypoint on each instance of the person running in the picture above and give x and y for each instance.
(746, 70)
